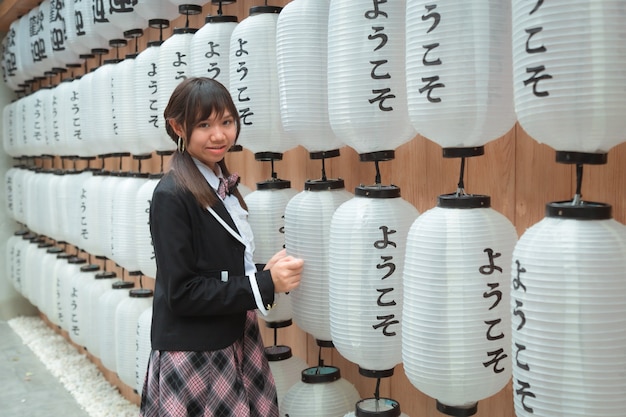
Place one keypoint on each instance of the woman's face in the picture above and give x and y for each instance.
(212, 138)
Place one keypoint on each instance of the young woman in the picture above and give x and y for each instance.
(207, 355)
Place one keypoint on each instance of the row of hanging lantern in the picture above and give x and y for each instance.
(108, 317)
(567, 287)
(103, 213)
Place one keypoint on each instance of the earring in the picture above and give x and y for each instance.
(181, 145)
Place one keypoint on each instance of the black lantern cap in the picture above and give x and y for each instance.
(568, 157)
(377, 156)
(371, 407)
(179, 31)
(158, 23)
(325, 343)
(463, 201)
(369, 373)
(220, 19)
(122, 285)
(278, 324)
(106, 275)
(584, 211)
(268, 156)
(277, 353)
(273, 184)
(265, 9)
(140, 293)
(320, 374)
(324, 154)
(463, 152)
(324, 185)
(89, 268)
(457, 411)
(377, 191)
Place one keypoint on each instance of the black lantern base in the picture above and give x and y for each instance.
(377, 191)
(324, 154)
(278, 324)
(268, 156)
(325, 343)
(369, 373)
(377, 156)
(584, 211)
(277, 353)
(463, 201)
(377, 407)
(568, 157)
(463, 152)
(320, 374)
(458, 411)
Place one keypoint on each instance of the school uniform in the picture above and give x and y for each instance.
(207, 354)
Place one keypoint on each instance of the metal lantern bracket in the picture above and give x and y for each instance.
(277, 353)
(159, 24)
(219, 4)
(377, 407)
(457, 411)
(189, 10)
(320, 374)
(323, 155)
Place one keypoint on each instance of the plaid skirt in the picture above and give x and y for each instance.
(235, 381)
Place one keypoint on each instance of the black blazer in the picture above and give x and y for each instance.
(193, 308)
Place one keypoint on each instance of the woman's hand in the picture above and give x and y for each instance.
(286, 272)
(278, 255)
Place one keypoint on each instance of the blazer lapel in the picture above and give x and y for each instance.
(228, 224)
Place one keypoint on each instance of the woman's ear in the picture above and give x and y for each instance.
(175, 127)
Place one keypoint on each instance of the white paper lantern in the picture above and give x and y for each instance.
(322, 392)
(65, 300)
(31, 268)
(307, 232)
(456, 345)
(254, 82)
(367, 248)
(146, 259)
(101, 283)
(58, 32)
(41, 58)
(79, 317)
(24, 50)
(89, 232)
(123, 107)
(70, 112)
(302, 59)
(107, 305)
(51, 287)
(210, 49)
(9, 181)
(103, 22)
(453, 77)
(47, 289)
(568, 314)
(9, 134)
(124, 16)
(127, 316)
(367, 101)
(565, 96)
(100, 110)
(285, 367)
(149, 122)
(12, 58)
(144, 348)
(82, 36)
(173, 67)
(156, 9)
(123, 224)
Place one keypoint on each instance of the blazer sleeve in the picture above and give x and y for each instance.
(178, 228)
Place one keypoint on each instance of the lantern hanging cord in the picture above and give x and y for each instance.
(320, 361)
(275, 337)
(378, 177)
(377, 392)
(324, 178)
(460, 190)
(274, 174)
(219, 8)
(579, 183)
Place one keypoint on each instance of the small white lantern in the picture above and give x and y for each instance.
(51, 285)
(302, 61)
(97, 287)
(66, 300)
(79, 316)
(156, 9)
(254, 83)
(144, 348)
(127, 315)
(285, 367)
(367, 102)
(173, 67)
(107, 305)
(146, 259)
(322, 392)
(210, 49)
(365, 281)
(100, 109)
(123, 110)
(82, 36)
(569, 315)
(456, 346)
(58, 32)
(148, 108)
(565, 96)
(453, 77)
(307, 232)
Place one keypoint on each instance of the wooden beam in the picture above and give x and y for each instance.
(11, 10)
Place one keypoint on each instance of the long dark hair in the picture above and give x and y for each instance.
(193, 100)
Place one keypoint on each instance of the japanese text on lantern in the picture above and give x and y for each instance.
(536, 73)
(385, 293)
(492, 335)
(57, 32)
(378, 72)
(522, 389)
(153, 115)
(213, 69)
(38, 44)
(37, 120)
(245, 113)
(179, 63)
(74, 99)
(84, 232)
(431, 82)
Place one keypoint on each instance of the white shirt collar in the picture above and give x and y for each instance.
(208, 173)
